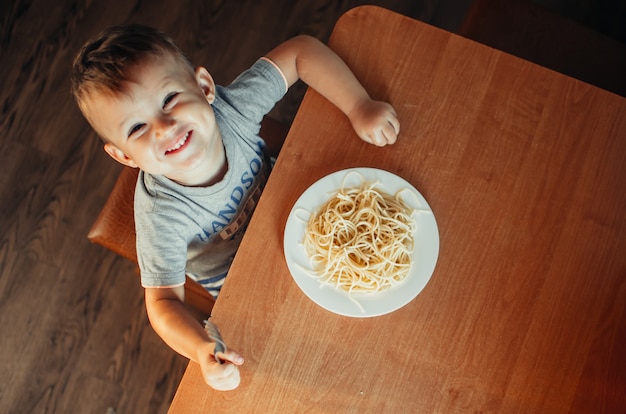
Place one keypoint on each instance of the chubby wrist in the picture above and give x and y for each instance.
(204, 349)
(358, 108)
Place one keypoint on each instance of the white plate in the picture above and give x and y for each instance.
(426, 251)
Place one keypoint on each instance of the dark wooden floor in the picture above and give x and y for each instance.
(75, 338)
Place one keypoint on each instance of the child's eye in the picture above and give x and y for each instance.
(135, 128)
(168, 99)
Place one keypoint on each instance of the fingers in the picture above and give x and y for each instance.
(394, 122)
(386, 134)
(231, 356)
(224, 377)
(390, 131)
(378, 123)
(391, 128)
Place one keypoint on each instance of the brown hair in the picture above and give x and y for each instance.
(105, 63)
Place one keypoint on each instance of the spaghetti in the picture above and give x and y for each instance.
(361, 240)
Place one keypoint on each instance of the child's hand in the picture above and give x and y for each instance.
(375, 122)
(222, 377)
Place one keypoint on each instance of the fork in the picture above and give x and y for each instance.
(214, 334)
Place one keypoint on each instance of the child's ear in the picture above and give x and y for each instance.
(206, 83)
(118, 155)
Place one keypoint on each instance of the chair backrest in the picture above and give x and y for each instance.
(115, 226)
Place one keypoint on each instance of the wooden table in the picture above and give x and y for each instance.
(525, 170)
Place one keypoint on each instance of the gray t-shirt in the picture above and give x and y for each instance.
(197, 230)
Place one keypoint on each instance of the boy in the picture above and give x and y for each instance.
(202, 164)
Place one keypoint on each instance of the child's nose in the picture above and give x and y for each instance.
(163, 125)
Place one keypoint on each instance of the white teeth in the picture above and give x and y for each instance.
(179, 144)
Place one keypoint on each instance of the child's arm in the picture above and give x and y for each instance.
(182, 332)
(306, 58)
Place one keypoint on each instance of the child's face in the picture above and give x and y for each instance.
(163, 123)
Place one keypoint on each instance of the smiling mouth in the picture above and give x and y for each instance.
(179, 144)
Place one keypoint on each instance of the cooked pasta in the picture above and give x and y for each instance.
(361, 240)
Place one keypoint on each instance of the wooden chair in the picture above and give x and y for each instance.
(114, 227)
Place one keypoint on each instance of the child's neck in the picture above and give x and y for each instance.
(219, 176)
(213, 179)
